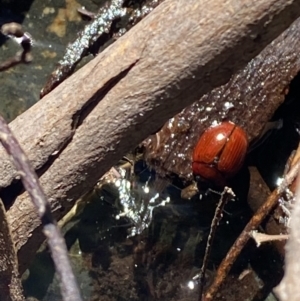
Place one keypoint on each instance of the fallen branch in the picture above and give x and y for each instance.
(58, 248)
(80, 129)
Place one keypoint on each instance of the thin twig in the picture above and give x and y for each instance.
(260, 238)
(69, 288)
(241, 241)
(226, 195)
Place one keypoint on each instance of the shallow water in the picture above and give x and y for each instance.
(52, 25)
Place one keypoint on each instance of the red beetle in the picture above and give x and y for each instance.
(220, 153)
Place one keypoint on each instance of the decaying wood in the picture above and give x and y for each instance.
(180, 51)
(10, 283)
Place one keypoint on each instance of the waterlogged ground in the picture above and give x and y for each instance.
(130, 241)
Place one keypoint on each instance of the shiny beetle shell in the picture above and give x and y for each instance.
(220, 153)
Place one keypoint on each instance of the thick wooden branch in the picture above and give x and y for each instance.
(182, 50)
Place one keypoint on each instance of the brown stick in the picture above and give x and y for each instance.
(81, 128)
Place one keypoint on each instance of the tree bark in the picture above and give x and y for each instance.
(79, 130)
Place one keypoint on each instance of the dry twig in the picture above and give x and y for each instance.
(262, 237)
(226, 195)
